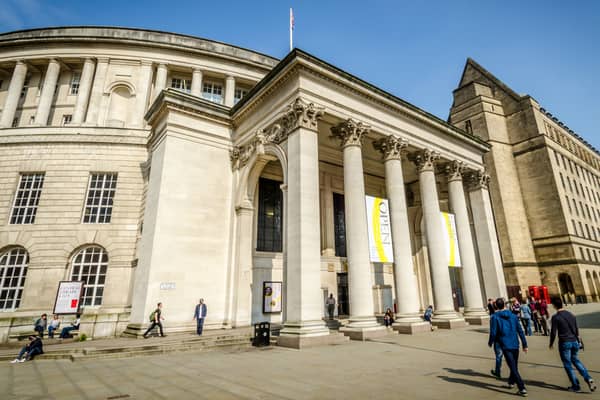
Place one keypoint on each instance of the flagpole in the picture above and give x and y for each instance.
(291, 29)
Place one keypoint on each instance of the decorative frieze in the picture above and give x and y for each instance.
(454, 170)
(479, 180)
(350, 132)
(424, 160)
(391, 147)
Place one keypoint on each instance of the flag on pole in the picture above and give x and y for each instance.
(291, 29)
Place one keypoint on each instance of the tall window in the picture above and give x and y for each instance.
(213, 92)
(238, 94)
(13, 270)
(339, 224)
(74, 85)
(66, 119)
(185, 85)
(89, 266)
(27, 199)
(270, 212)
(99, 201)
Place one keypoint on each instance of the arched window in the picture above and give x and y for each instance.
(13, 269)
(89, 265)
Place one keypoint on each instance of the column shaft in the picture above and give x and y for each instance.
(97, 92)
(229, 91)
(47, 95)
(142, 95)
(13, 95)
(161, 80)
(85, 86)
(197, 82)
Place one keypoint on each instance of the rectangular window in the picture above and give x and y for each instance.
(31, 120)
(66, 119)
(75, 80)
(99, 201)
(339, 224)
(185, 85)
(238, 94)
(27, 198)
(25, 85)
(270, 212)
(212, 92)
(15, 122)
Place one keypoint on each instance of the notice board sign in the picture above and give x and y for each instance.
(68, 297)
(272, 297)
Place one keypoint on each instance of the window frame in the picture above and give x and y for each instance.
(75, 83)
(211, 96)
(28, 205)
(84, 274)
(21, 277)
(101, 197)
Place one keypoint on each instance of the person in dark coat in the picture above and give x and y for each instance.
(199, 316)
(31, 350)
(40, 325)
(506, 330)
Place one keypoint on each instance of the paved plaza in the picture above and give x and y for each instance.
(438, 365)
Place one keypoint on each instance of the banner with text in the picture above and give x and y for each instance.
(450, 239)
(68, 297)
(380, 230)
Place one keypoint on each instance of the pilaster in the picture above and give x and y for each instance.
(14, 94)
(47, 95)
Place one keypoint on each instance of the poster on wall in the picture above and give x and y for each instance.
(380, 230)
(68, 297)
(272, 297)
(450, 239)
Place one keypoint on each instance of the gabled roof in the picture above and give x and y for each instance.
(485, 74)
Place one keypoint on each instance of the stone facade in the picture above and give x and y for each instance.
(191, 132)
(545, 187)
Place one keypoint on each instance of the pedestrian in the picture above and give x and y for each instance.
(330, 302)
(66, 331)
(506, 329)
(155, 319)
(534, 314)
(388, 318)
(543, 315)
(515, 307)
(569, 343)
(40, 325)
(491, 306)
(428, 315)
(199, 315)
(29, 351)
(497, 349)
(526, 318)
(53, 325)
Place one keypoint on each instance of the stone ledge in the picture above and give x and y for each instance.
(364, 333)
(300, 342)
(449, 323)
(411, 328)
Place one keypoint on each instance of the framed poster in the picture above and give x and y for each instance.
(450, 239)
(271, 297)
(68, 297)
(380, 230)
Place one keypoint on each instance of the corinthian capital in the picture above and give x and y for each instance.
(300, 114)
(350, 132)
(391, 147)
(479, 180)
(424, 160)
(454, 170)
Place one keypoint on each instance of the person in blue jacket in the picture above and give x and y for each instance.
(506, 330)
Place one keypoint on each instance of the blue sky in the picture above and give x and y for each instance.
(413, 49)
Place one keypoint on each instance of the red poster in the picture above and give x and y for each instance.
(74, 303)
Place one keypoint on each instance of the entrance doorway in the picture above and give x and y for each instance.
(455, 279)
(342, 292)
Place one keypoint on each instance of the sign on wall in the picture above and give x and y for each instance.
(68, 297)
(450, 239)
(380, 229)
(272, 297)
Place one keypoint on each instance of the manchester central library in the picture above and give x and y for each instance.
(159, 167)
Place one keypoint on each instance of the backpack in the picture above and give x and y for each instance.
(152, 316)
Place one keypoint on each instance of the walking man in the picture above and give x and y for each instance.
(155, 319)
(565, 324)
(330, 305)
(506, 329)
(199, 315)
(491, 306)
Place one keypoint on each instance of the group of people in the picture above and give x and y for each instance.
(35, 345)
(156, 319)
(507, 328)
(530, 312)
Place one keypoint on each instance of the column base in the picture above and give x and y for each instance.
(363, 328)
(448, 320)
(298, 335)
(412, 327)
(476, 317)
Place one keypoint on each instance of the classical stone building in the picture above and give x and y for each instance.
(162, 167)
(545, 187)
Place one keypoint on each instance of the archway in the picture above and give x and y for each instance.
(597, 283)
(567, 290)
(593, 292)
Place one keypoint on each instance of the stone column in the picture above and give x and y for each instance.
(197, 82)
(328, 220)
(487, 240)
(229, 91)
(85, 86)
(242, 297)
(13, 95)
(360, 286)
(408, 317)
(303, 325)
(161, 80)
(142, 94)
(97, 92)
(474, 312)
(48, 89)
(444, 315)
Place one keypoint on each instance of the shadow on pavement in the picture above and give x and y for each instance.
(589, 321)
(528, 382)
(477, 384)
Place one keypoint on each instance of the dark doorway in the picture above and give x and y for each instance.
(457, 295)
(339, 224)
(342, 291)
